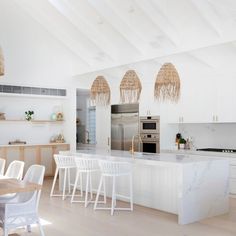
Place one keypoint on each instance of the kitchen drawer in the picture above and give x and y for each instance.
(232, 172)
(232, 186)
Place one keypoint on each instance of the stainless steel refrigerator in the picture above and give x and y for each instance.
(124, 124)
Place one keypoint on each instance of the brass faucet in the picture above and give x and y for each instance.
(132, 147)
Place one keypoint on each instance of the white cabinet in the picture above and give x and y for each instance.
(226, 100)
(232, 177)
(197, 103)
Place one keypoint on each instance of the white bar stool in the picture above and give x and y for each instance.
(87, 166)
(115, 169)
(65, 163)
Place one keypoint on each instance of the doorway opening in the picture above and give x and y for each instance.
(85, 119)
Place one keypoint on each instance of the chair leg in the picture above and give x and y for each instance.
(75, 185)
(64, 185)
(28, 228)
(81, 184)
(91, 186)
(131, 193)
(54, 182)
(5, 231)
(68, 175)
(104, 191)
(40, 228)
(86, 190)
(113, 195)
(98, 193)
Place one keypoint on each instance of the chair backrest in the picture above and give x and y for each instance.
(63, 161)
(2, 166)
(35, 174)
(112, 168)
(86, 164)
(15, 170)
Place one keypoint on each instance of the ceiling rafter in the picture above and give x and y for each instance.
(207, 13)
(120, 25)
(152, 11)
(136, 20)
(76, 16)
(61, 29)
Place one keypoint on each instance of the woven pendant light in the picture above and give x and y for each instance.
(1, 63)
(130, 87)
(167, 86)
(100, 93)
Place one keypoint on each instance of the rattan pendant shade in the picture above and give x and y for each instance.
(1, 63)
(167, 86)
(100, 93)
(130, 87)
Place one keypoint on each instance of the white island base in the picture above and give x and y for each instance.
(192, 187)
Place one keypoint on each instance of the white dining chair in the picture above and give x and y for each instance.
(15, 170)
(2, 166)
(22, 210)
(112, 169)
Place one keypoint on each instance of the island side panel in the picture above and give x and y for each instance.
(205, 190)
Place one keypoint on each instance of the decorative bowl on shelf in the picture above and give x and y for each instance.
(59, 116)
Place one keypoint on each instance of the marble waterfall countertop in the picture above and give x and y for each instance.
(194, 187)
(167, 157)
(201, 153)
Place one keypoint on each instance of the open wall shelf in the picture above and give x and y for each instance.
(33, 121)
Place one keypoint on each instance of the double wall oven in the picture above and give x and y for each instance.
(150, 133)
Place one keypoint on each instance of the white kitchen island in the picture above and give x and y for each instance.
(192, 187)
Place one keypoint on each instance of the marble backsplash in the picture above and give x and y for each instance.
(219, 135)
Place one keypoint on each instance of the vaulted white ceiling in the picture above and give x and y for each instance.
(108, 33)
(100, 34)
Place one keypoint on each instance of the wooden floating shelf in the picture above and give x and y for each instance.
(34, 121)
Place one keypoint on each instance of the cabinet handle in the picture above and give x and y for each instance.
(216, 118)
(108, 141)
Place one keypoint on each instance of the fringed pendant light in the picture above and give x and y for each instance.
(1, 63)
(167, 86)
(130, 87)
(100, 93)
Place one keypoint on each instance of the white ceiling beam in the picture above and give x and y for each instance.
(206, 11)
(63, 31)
(153, 12)
(73, 14)
(120, 25)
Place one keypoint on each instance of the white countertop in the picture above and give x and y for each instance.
(201, 153)
(32, 144)
(177, 158)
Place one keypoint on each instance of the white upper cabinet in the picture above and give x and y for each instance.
(197, 103)
(226, 100)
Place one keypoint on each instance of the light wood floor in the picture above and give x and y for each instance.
(73, 220)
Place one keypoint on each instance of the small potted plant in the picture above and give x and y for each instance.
(182, 143)
(29, 115)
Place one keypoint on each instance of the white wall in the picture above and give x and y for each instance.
(206, 89)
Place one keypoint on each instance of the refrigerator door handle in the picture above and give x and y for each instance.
(121, 127)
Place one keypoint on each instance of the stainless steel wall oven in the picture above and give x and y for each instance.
(150, 133)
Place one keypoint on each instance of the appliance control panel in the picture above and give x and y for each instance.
(150, 137)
